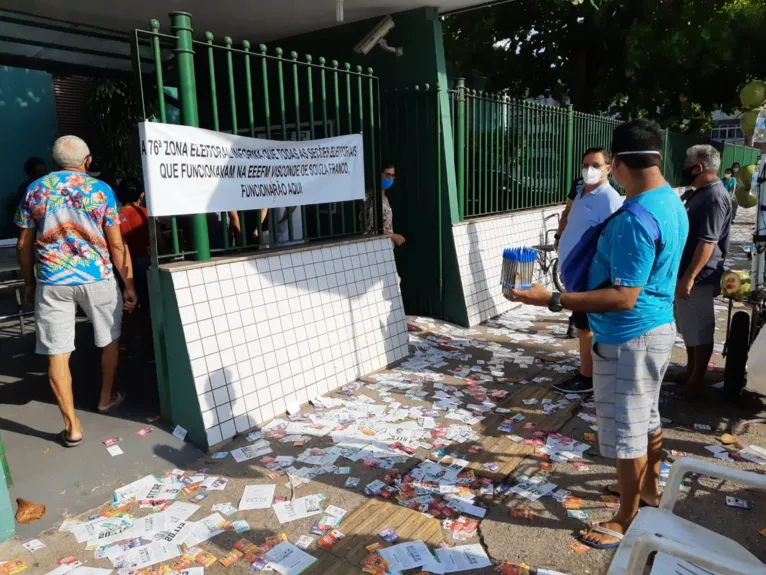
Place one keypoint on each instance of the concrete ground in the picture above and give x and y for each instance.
(542, 542)
(70, 482)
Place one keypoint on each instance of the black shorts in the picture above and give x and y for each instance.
(580, 320)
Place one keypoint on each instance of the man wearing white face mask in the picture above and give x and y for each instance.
(593, 202)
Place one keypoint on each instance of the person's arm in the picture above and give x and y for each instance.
(616, 298)
(235, 225)
(263, 213)
(700, 258)
(717, 215)
(123, 264)
(627, 275)
(118, 250)
(25, 252)
(563, 222)
(25, 246)
(288, 212)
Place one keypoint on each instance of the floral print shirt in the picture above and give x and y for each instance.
(70, 211)
(388, 215)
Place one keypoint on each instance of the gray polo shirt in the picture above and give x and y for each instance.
(709, 210)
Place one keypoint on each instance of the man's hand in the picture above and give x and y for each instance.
(556, 244)
(29, 295)
(684, 287)
(129, 299)
(536, 295)
(398, 239)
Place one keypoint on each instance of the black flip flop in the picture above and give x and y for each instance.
(66, 442)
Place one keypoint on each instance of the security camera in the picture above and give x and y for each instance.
(376, 37)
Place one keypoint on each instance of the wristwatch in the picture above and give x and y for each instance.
(555, 305)
(556, 236)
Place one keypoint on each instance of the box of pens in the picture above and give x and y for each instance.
(518, 269)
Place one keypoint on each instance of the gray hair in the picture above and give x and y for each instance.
(70, 151)
(706, 155)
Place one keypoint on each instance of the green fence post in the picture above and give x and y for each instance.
(7, 520)
(460, 147)
(570, 145)
(187, 96)
(665, 153)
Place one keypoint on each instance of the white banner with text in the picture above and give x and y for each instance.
(195, 171)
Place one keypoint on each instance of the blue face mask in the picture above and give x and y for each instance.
(386, 183)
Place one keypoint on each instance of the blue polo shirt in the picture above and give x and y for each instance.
(587, 211)
(627, 256)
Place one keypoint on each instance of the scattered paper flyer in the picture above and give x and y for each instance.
(151, 554)
(83, 570)
(204, 530)
(257, 497)
(288, 559)
(179, 511)
(215, 483)
(180, 432)
(463, 558)
(178, 533)
(34, 545)
(114, 450)
(124, 494)
(301, 508)
(251, 452)
(409, 555)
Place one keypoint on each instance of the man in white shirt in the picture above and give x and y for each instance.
(593, 202)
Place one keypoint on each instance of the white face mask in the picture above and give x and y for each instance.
(735, 170)
(591, 176)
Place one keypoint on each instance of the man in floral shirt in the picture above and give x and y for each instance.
(70, 240)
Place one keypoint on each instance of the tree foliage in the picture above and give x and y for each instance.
(674, 60)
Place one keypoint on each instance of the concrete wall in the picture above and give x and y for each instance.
(264, 332)
(479, 244)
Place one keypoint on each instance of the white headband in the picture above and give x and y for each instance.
(652, 152)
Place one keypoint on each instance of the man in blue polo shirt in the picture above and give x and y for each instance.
(631, 282)
(595, 200)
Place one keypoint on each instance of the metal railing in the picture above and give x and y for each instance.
(262, 94)
(515, 154)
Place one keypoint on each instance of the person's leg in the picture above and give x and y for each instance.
(650, 489)
(60, 379)
(110, 358)
(582, 382)
(54, 327)
(102, 302)
(571, 328)
(586, 353)
(701, 335)
(640, 367)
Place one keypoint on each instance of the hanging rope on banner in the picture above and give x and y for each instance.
(339, 11)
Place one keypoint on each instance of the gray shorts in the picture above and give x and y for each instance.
(626, 387)
(696, 316)
(55, 308)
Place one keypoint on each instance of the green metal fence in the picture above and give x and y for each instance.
(515, 154)
(261, 93)
(732, 153)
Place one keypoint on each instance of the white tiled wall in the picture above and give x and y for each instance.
(269, 332)
(479, 245)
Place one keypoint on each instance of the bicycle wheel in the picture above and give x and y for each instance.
(557, 276)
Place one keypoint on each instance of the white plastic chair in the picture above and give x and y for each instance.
(660, 530)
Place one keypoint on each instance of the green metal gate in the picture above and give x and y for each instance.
(262, 93)
(412, 139)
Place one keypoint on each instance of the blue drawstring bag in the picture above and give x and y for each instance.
(574, 271)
